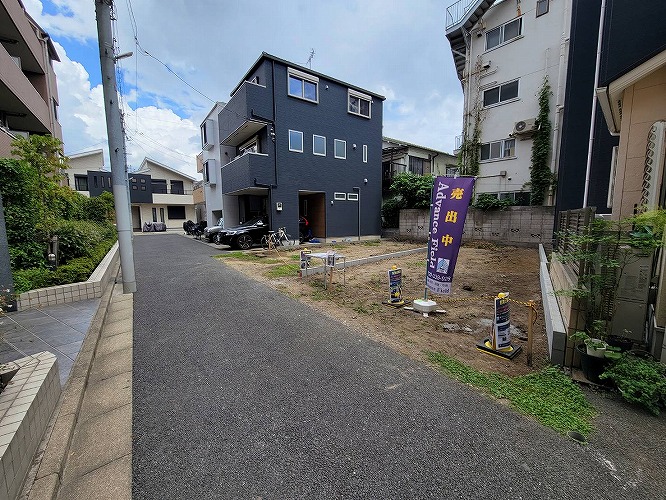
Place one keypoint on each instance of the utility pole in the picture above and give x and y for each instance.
(116, 136)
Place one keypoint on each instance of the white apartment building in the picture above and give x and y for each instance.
(503, 51)
(209, 166)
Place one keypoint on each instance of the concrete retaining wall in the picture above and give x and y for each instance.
(93, 288)
(555, 329)
(519, 226)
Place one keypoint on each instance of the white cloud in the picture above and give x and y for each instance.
(75, 19)
(159, 133)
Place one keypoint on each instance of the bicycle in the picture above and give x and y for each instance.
(274, 239)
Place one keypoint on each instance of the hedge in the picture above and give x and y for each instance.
(74, 271)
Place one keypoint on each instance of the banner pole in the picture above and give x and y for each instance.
(425, 277)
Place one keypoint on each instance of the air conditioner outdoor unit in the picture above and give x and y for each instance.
(524, 127)
(655, 162)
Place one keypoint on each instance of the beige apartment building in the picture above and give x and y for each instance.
(28, 88)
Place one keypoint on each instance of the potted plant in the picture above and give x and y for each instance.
(592, 355)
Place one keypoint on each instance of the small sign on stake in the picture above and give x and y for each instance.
(395, 286)
(499, 343)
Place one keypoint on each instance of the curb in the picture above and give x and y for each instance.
(44, 479)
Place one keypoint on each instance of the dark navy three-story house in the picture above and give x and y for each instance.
(297, 143)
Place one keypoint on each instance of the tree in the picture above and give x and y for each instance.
(44, 154)
(415, 190)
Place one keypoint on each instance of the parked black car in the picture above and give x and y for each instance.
(211, 232)
(245, 235)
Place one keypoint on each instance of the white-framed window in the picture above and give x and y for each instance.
(251, 146)
(542, 7)
(358, 103)
(365, 153)
(296, 141)
(506, 148)
(318, 145)
(500, 93)
(504, 33)
(352, 196)
(340, 149)
(452, 171)
(302, 85)
(340, 196)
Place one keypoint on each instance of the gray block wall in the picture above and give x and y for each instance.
(519, 226)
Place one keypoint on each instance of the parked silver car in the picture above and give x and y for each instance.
(211, 231)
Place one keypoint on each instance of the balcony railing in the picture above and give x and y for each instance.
(243, 171)
(165, 190)
(456, 12)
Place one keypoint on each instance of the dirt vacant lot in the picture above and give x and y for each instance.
(483, 270)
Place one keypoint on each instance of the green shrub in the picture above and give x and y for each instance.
(78, 238)
(391, 212)
(640, 381)
(487, 201)
(30, 279)
(74, 271)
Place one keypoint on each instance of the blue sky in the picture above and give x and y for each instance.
(396, 48)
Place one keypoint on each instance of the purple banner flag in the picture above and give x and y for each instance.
(450, 199)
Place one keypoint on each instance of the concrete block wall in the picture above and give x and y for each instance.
(520, 226)
(91, 289)
(571, 308)
(26, 406)
(555, 329)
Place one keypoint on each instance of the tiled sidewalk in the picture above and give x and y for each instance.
(59, 329)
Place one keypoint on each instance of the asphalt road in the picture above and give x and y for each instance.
(242, 392)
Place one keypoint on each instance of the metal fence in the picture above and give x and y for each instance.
(572, 223)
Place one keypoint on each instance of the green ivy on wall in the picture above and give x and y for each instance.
(540, 175)
(470, 150)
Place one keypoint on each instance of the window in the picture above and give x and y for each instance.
(177, 187)
(505, 148)
(500, 93)
(318, 145)
(296, 141)
(175, 212)
(340, 196)
(101, 181)
(416, 165)
(161, 214)
(302, 85)
(352, 196)
(358, 104)
(452, 171)
(542, 7)
(340, 149)
(154, 214)
(81, 182)
(159, 186)
(504, 33)
(365, 153)
(251, 146)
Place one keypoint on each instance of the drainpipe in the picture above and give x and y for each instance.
(432, 163)
(594, 103)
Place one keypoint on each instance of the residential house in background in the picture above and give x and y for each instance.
(295, 142)
(199, 198)
(209, 163)
(401, 156)
(158, 193)
(28, 87)
(634, 106)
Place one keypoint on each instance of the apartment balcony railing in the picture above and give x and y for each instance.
(166, 190)
(247, 171)
(247, 112)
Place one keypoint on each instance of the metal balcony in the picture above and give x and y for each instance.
(246, 171)
(247, 112)
(460, 18)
